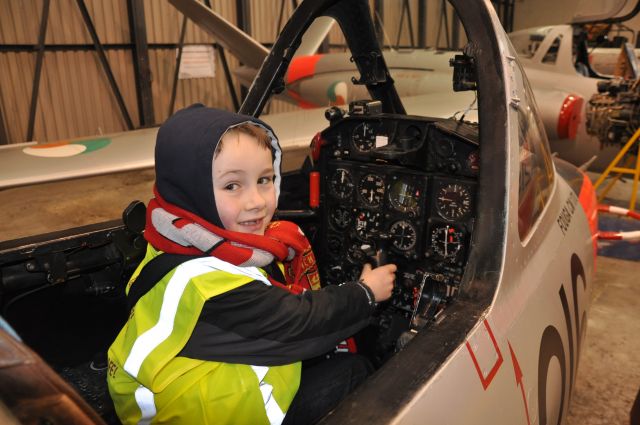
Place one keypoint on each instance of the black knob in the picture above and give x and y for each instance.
(333, 113)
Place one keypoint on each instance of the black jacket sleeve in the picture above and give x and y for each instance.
(265, 325)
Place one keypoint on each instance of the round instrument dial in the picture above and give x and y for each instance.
(341, 183)
(404, 196)
(340, 218)
(371, 190)
(444, 147)
(453, 201)
(334, 243)
(356, 255)
(446, 240)
(364, 136)
(367, 222)
(403, 235)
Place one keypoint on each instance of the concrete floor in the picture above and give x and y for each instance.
(85, 201)
(608, 376)
(609, 372)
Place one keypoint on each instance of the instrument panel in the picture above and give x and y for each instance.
(399, 189)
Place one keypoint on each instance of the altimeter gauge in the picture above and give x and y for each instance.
(371, 190)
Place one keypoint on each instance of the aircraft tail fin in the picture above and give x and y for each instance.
(245, 48)
(315, 35)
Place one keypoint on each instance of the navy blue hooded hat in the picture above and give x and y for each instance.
(184, 152)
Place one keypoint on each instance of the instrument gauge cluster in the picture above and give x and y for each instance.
(402, 190)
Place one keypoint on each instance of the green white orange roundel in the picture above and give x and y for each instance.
(63, 149)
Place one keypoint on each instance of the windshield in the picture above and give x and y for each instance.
(536, 167)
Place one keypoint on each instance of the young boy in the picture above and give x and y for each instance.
(219, 338)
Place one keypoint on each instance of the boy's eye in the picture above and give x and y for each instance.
(266, 180)
(231, 186)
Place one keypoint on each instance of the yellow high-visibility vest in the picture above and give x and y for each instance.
(150, 385)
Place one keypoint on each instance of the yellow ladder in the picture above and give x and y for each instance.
(613, 167)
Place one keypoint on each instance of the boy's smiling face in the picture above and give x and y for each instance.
(243, 184)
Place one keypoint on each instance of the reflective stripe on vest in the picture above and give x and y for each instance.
(144, 399)
(152, 338)
(274, 413)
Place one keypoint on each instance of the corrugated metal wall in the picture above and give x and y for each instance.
(74, 95)
(75, 98)
(164, 24)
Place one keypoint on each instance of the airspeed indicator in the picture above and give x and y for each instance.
(453, 201)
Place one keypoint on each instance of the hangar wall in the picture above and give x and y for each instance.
(75, 97)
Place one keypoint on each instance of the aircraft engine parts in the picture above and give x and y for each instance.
(613, 114)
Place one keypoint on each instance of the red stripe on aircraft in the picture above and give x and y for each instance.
(589, 203)
(304, 104)
(518, 372)
(302, 67)
(486, 381)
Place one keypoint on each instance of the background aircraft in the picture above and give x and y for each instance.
(317, 81)
(495, 245)
(555, 58)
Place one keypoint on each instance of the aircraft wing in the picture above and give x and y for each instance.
(30, 163)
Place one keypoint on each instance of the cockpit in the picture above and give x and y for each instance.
(399, 189)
